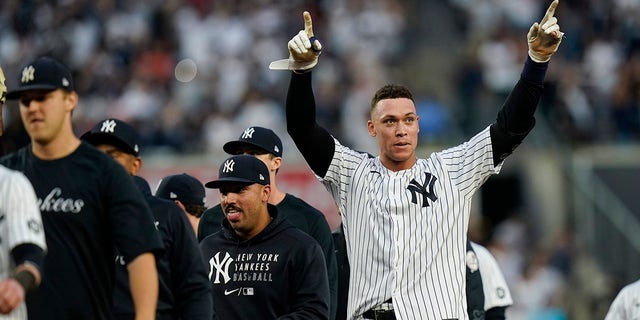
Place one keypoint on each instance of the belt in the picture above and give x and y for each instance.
(383, 311)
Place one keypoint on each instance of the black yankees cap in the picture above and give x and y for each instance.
(182, 187)
(44, 73)
(241, 169)
(114, 132)
(259, 137)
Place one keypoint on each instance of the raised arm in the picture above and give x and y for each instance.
(516, 118)
(315, 144)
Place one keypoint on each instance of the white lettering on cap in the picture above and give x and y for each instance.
(28, 74)
(228, 166)
(108, 126)
(248, 133)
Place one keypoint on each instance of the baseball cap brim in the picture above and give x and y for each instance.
(15, 94)
(216, 184)
(234, 147)
(97, 138)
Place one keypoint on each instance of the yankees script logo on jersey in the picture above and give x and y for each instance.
(394, 216)
(53, 202)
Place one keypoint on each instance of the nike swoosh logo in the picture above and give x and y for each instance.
(228, 292)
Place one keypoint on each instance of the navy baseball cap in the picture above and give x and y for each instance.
(182, 187)
(259, 137)
(242, 168)
(114, 132)
(44, 73)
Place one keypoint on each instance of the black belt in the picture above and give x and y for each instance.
(377, 313)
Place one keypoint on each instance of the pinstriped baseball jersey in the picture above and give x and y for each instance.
(626, 305)
(406, 230)
(496, 291)
(20, 223)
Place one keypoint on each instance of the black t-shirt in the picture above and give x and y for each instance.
(89, 206)
(184, 291)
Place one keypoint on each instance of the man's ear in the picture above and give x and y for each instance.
(266, 190)
(137, 165)
(277, 163)
(371, 128)
(72, 99)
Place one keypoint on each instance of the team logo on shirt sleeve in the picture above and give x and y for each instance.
(34, 225)
(425, 189)
(472, 261)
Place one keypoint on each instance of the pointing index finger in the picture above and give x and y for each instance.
(308, 27)
(550, 11)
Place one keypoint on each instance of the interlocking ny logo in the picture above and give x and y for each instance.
(221, 267)
(108, 126)
(248, 133)
(425, 189)
(28, 74)
(228, 166)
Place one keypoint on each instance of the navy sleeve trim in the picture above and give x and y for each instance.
(28, 252)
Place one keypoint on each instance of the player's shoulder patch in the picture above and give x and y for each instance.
(472, 261)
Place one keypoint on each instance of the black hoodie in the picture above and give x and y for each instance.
(278, 274)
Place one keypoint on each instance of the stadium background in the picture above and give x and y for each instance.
(562, 217)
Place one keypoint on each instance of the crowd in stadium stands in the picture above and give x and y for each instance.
(134, 60)
(460, 57)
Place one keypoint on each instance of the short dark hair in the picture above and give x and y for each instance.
(391, 91)
(195, 210)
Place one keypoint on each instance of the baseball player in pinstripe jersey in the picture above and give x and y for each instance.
(626, 305)
(22, 242)
(405, 218)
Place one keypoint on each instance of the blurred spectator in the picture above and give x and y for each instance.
(626, 99)
(538, 292)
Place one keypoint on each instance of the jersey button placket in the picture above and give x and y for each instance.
(394, 198)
